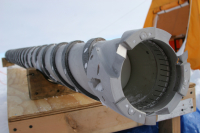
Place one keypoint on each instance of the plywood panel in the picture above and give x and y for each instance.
(40, 87)
(93, 120)
(20, 104)
(191, 94)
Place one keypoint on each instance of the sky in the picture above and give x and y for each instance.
(33, 22)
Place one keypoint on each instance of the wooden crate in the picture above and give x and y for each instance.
(69, 113)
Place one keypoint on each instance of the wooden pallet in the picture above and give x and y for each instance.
(72, 112)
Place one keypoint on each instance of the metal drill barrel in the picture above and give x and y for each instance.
(137, 75)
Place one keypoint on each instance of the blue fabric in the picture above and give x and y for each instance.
(190, 123)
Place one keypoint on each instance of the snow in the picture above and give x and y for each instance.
(3, 98)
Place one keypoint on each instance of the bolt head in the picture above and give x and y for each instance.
(143, 35)
(131, 111)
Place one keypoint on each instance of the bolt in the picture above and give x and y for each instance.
(143, 35)
(131, 111)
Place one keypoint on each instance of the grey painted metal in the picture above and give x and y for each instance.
(61, 70)
(87, 51)
(184, 107)
(137, 75)
(76, 67)
(29, 57)
(49, 66)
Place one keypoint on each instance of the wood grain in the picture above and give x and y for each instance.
(5, 63)
(191, 94)
(170, 126)
(19, 103)
(93, 120)
(39, 87)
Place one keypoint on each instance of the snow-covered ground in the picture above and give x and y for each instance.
(3, 98)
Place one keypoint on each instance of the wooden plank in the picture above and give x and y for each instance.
(170, 126)
(176, 125)
(20, 105)
(39, 87)
(191, 94)
(5, 63)
(94, 120)
(192, 85)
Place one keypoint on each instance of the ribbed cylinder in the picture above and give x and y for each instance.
(53, 61)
